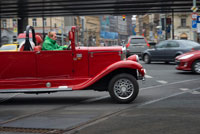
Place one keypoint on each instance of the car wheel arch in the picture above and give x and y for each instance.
(145, 54)
(192, 65)
(103, 83)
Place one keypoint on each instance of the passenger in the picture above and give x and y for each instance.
(50, 43)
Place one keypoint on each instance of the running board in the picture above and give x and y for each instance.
(37, 90)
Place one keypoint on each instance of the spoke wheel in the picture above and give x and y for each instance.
(196, 67)
(147, 59)
(123, 88)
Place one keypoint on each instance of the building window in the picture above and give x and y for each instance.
(34, 21)
(4, 22)
(183, 22)
(14, 22)
(45, 21)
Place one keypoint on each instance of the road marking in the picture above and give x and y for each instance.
(162, 81)
(173, 83)
(184, 89)
(148, 76)
(190, 91)
(195, 92)
(164, 98)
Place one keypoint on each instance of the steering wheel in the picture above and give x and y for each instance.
(69, 47)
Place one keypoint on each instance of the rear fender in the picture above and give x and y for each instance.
(118, 65)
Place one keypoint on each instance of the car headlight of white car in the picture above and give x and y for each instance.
(186, 57)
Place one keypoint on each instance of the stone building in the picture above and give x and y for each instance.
(92, 31)
(183, 27)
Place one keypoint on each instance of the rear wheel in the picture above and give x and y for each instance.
(123, 88)
(147, 59)
(196, 67)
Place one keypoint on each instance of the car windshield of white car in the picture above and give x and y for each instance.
(10, 47)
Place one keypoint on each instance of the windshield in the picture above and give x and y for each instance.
(8, 47)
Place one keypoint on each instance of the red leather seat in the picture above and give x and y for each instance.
(37, 48)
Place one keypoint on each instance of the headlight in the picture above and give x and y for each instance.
(186, 57)
(137, 58)
(133, 58)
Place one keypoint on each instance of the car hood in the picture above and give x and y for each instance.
(197, 52)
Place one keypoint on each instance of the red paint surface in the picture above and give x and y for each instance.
(189, 61)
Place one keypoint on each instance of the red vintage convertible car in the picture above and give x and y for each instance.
(78, 68)
(189, 62)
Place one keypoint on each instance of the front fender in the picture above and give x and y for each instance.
(117, 65)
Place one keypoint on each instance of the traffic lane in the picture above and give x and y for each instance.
(161, 73)
(87, 111)
(65, 116)
(17, 106)
(178, 114)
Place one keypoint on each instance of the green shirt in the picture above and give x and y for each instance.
(50, 44)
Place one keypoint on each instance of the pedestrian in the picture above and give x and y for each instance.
(50, 42)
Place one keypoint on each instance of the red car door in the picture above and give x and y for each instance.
(17, 65)
(17, 70)
(55, 64)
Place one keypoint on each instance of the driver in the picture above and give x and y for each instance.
(50, 42)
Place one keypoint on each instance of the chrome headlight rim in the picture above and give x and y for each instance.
(123, 56)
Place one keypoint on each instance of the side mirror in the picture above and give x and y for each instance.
(71, 35)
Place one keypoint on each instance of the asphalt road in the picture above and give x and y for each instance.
(168, 102)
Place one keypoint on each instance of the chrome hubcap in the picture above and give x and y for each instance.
(197, 67)
(123, 88)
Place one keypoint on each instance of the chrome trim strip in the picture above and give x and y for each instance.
(103, 51)
(38, 90)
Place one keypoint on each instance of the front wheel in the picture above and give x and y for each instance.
(147, 59)
(196, 67)
(123, 88)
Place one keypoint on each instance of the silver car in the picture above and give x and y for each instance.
(136, 45)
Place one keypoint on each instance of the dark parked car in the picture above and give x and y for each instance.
(136, 45)
(168, 50)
